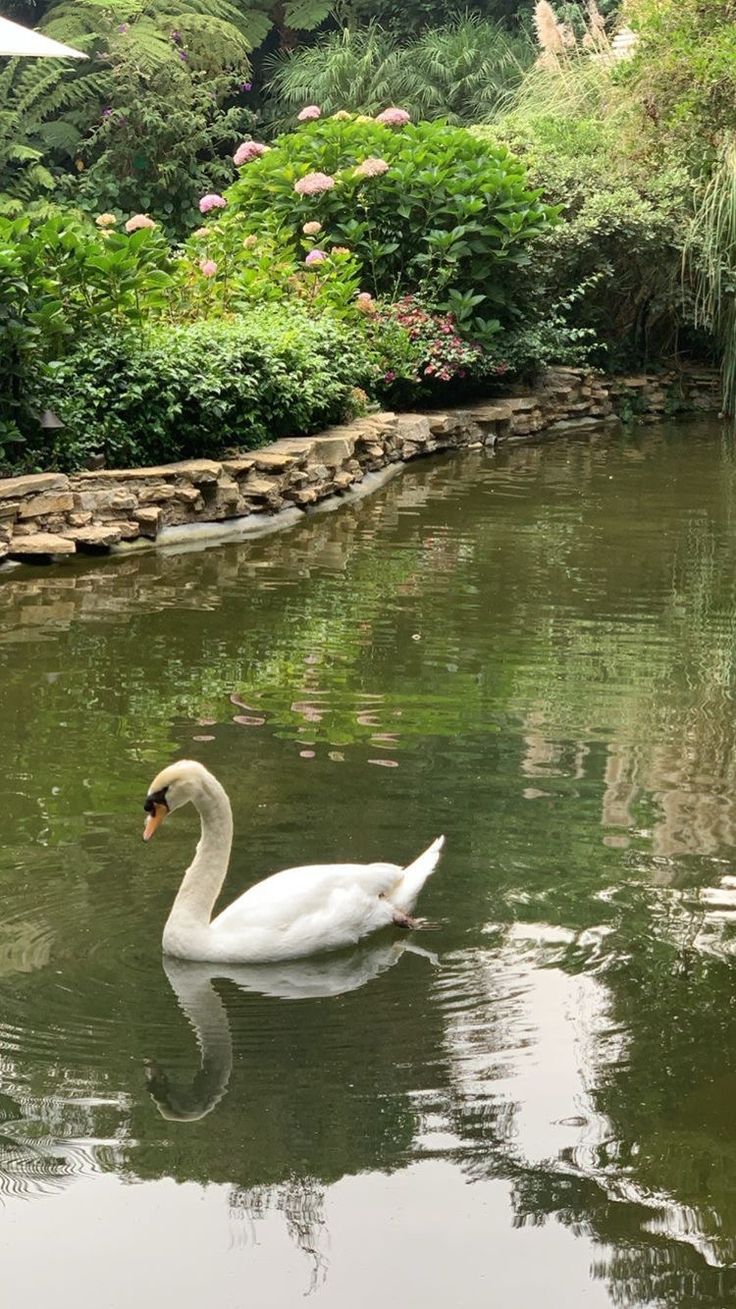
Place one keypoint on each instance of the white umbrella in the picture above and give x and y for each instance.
(16, 40)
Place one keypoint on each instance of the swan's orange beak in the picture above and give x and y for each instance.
(154, 820)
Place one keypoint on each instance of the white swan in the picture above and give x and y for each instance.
(289, 915)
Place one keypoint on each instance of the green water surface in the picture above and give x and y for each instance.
(533, 1104)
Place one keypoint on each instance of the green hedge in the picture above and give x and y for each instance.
(199, 389)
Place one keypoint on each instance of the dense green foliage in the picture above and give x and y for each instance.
(179, 392)
(62, 281)
(460, 72)
(588, 214)
(135, 113)
(421, 205)
(113, 331)
(618, 252)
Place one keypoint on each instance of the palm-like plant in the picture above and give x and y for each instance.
(464, 70)
(355, 68)
(458, 72)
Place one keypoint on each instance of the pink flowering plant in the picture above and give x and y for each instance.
(422, 207)
(439, 357)
(223, 271)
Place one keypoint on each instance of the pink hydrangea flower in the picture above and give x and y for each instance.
(365, 303)
(207, 267)
(393, 117)
(211, 202)
(106, 220)
(137, 221)
(249, 151)
(308, 113)
(201, 232)
(314, 184)
(371, 167)
(315, 257)
(311, 229)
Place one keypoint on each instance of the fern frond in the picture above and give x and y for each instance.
(255, 26)
(37, 176)
(306, 14)
(216, 42)
(22, 154)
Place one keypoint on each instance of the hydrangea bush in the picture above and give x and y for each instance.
(420, 207)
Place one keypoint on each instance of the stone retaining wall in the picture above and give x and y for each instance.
(49, 515)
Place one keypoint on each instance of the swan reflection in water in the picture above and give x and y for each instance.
(299, 979)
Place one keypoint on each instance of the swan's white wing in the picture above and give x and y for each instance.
(316, 907)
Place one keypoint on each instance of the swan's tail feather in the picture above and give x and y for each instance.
(405, 893)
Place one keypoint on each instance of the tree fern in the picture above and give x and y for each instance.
(306, 14)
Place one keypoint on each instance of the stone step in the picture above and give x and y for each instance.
(40, 544)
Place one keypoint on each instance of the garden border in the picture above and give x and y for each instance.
(45, 517)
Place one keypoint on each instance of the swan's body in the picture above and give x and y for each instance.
(298, 912)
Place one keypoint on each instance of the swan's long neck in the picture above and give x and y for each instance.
(205, 875)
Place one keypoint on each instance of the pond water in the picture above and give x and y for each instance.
(533, 1103)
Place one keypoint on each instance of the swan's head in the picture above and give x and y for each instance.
(177, 785)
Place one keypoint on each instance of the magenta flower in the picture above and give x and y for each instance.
(307, 114)
(207, 267)
(211, 202)
(311, 229)
(249, 151)
(315, 257)
(371, 167)
(314, 184)
(393, 117)
(138, 221)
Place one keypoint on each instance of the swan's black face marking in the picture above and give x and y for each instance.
(153, 798)
(156, 807)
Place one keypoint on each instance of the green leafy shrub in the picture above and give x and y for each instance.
(420, 206)
(163, 139)
(683, 74)
(221, 272)
(199, 389)
(61, 280)
(617, 256)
